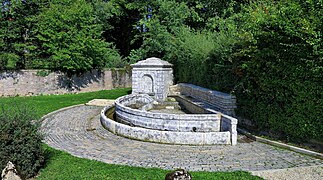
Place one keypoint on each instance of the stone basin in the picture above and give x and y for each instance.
(138, 123)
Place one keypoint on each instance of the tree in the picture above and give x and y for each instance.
(69, 36)
(15, 26)
(120, 22)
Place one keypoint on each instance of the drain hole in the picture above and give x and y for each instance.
(194, 129)
(90, 129)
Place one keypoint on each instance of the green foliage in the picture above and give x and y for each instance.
(166, 18)
(189, 52)
(20, 141)
(119, 20)
(15, 27)
(42, 73)
(69, 33)
(275, 67)
(8, 60)
(284, 68)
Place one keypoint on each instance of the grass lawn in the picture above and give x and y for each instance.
(49, 103)
(61, 165)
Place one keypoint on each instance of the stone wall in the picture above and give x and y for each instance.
(220, 101)
(36, 82)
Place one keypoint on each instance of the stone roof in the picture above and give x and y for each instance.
(152, 62)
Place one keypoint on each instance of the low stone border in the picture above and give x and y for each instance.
(281, 145)
(167, 137)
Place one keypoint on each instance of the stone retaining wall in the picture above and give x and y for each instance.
(31, 82)
(220, 101)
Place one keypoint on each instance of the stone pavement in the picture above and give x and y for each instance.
(308, 173)
(78, 131)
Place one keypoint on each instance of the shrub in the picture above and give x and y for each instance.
(8, 60)
(20, 140)
(277, 67)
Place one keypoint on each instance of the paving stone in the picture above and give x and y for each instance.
(79, 132)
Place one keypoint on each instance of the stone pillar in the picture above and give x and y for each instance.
(152, 76)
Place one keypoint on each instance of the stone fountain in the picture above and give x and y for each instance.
(158, 111)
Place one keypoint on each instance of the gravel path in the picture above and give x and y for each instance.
(78, 131)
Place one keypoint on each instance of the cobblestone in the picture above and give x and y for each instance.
(79, 132)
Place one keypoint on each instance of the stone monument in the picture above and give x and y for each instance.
(152, 76)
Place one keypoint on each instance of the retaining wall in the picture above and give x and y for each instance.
(30, 82)
(219, 101)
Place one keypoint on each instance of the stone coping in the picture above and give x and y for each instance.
(152, 62)
(120, 105)
(218, 94)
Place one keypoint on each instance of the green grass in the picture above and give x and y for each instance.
(61, 165)
(49, 103)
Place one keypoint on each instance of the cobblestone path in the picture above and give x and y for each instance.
(79, 132)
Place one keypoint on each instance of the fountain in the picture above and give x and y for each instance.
(157, 111)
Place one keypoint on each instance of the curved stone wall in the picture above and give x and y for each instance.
(169, 137)
(127, 113)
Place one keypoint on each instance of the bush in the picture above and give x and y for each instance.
(8, 60)
(20, 140)
(276, 65)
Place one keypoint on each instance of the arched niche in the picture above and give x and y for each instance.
(147, 84)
